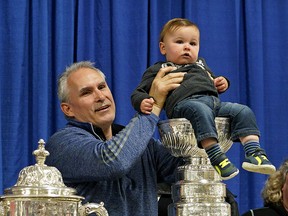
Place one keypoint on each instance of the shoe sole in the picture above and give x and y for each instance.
(231, 176)
(263, 169)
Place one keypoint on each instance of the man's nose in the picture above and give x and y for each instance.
(98, 95)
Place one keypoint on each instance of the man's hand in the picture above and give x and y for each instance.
(221, 84)
(161, 86)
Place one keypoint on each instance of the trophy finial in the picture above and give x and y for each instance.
(41, 153)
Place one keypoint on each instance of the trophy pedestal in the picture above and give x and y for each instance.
(198, 190)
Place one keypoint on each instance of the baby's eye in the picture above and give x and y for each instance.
(193, 44)
(179, 41)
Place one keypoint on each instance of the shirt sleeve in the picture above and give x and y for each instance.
(81, 156)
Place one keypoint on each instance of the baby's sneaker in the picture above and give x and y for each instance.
(224, 167)
(258, 162)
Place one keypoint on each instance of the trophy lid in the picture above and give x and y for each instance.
(40, 180)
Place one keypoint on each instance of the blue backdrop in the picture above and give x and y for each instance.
(243, 40)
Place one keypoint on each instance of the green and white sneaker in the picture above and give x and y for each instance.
(224, 167)
(258, 162)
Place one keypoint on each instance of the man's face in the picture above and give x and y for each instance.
(181, 46)
(90, 99)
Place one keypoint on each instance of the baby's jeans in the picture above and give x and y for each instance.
(201, 111)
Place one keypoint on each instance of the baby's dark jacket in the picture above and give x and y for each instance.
(197, 81)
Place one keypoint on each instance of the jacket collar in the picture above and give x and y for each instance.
(116, 128)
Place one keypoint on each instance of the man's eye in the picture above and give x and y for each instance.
(83, 93)
(101, 86)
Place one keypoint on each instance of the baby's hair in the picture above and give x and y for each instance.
(174, 24)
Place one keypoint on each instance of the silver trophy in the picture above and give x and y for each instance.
(198, 190)
(40, 191)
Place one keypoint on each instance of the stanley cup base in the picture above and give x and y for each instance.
(198, 190)
(199, 209)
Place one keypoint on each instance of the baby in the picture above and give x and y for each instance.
(197, 99)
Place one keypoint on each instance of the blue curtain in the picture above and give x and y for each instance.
(243, 40)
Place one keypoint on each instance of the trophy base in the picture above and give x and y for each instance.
(199, 209)
(198, 190)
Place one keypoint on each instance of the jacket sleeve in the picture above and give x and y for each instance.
(142, 90)
(80, 156)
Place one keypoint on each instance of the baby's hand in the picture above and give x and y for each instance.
(221, 84)
(147, 105)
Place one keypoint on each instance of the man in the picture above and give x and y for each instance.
(105, 162)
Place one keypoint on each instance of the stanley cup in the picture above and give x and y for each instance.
(198, 190)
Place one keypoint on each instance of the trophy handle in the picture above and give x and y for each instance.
(90, 208)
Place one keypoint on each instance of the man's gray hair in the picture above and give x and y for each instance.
(63, 90)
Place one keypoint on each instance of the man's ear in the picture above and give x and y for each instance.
(66, 109)
(162, 48)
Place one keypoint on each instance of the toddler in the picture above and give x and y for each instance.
(197, 99)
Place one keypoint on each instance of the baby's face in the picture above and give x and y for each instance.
(181, 46)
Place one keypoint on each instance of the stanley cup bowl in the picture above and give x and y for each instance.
(177, 135)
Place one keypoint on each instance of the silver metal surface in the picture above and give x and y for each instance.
(178, 136)
(199, 190)
(197, 169)
(40, 191)
(199, 209)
